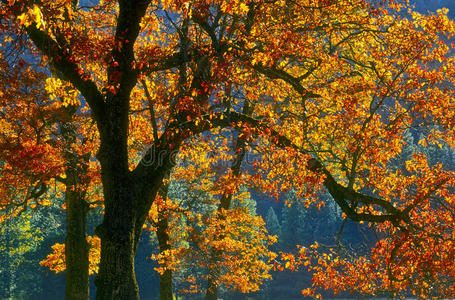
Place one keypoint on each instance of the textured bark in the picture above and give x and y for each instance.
(166, 285)
(125, 214)
(116, 278)
(128, 197)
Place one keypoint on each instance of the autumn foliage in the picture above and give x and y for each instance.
(332, 87)
(56, 260)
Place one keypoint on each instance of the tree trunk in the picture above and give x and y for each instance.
(166, 286)
(214, 273)
(116, 278)
(128, 196)
(212, 286)
(120, 233)
(76, 246)
(125, 214)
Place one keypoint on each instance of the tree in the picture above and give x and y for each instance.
(356, 75)
(292, 216)
(272, 223)
(404, 260)
(16, 239)
(27, 236)
(47, 144)
(189, 246)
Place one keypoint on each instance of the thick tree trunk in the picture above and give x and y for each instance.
(120, 234)
(125, 214)
(128, 195)
(116, 278)
(76, 247)
(166, 285)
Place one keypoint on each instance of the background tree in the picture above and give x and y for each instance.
(18, 238)
(272, 222)
(53, 149)
(192, 241)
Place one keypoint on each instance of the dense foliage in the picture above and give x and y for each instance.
(167, 115)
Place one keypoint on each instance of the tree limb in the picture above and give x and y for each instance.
(340, 194)
(61, 60)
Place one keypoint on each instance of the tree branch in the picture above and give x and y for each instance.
(274, 73)
(61, 60)
(127, 30)
(340, 194)
(152, 111)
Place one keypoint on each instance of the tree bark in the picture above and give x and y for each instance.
(212, 286)
(76, 246)
(116, 278)
(128, 197)
(120, 232)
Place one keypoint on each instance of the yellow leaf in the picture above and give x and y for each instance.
(244, 8)
(22, 19)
